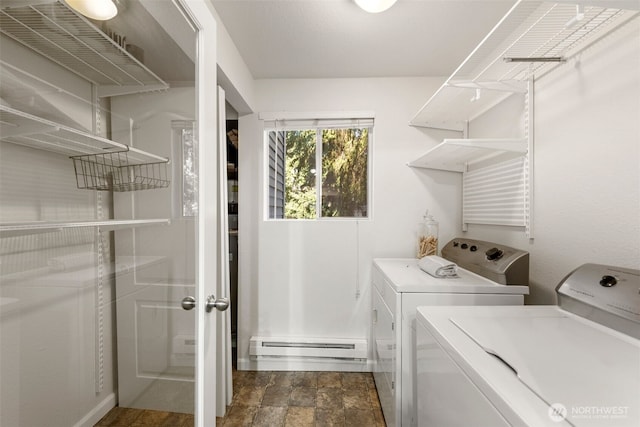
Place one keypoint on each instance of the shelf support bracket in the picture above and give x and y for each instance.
(535, 59)
(529, 158)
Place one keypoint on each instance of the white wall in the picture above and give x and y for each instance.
(586, 166)
(233, 74)
(586, 192)
(301, 278)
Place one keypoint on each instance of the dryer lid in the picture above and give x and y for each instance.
(592, 371)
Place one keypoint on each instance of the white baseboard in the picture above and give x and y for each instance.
(303, 364)
(99, 411)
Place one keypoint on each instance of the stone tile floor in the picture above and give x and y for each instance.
(289, 399)
(128, 417)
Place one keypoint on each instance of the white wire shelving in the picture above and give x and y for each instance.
(530, 41)
(455, 155)
(58, 33)
(18, 127)
(36, 227)
(29, 111)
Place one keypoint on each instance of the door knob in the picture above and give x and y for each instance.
(221, 304)
(188, 303)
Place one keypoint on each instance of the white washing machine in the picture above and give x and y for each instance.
(400, 286)
(576, 364)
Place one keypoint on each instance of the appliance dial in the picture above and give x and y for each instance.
(473, 248)
(494, 254)
(464, 246)
(608, 281)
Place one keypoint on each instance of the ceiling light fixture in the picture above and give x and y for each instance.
(101, 10)
(375, 6)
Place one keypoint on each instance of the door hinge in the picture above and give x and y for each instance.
(393, 385)
(393, 326)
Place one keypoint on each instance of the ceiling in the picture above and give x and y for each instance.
(335, 38)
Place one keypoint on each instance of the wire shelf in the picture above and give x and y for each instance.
(72, 41)
(113, 171)
(532, 40)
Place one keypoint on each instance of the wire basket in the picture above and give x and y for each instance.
(112, 171)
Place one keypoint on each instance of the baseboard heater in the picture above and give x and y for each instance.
(334, 348)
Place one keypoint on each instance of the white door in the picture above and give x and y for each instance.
(166, 330)
(201, 14)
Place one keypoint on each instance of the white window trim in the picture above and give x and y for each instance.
(315, 115)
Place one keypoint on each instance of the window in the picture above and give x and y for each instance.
(185, 178)
(318, 169)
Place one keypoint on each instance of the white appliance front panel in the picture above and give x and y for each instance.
(447, 396)
(384, 348)
(410, 304)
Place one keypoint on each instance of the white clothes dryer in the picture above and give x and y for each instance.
(576, 364)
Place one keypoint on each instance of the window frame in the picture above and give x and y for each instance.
(303, 122)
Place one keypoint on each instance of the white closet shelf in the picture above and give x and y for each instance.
(453, 106)
(523, 46)
(34, 227)
(55, 31)
(455, 154)
(21, 128)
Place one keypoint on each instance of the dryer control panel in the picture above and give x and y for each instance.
(606, 294)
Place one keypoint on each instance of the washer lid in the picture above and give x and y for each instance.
(404, 275)
(594, 372)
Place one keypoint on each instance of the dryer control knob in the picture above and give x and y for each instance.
(608, 281)
(494, 254)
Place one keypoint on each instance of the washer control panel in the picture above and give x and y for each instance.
(500, 263)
